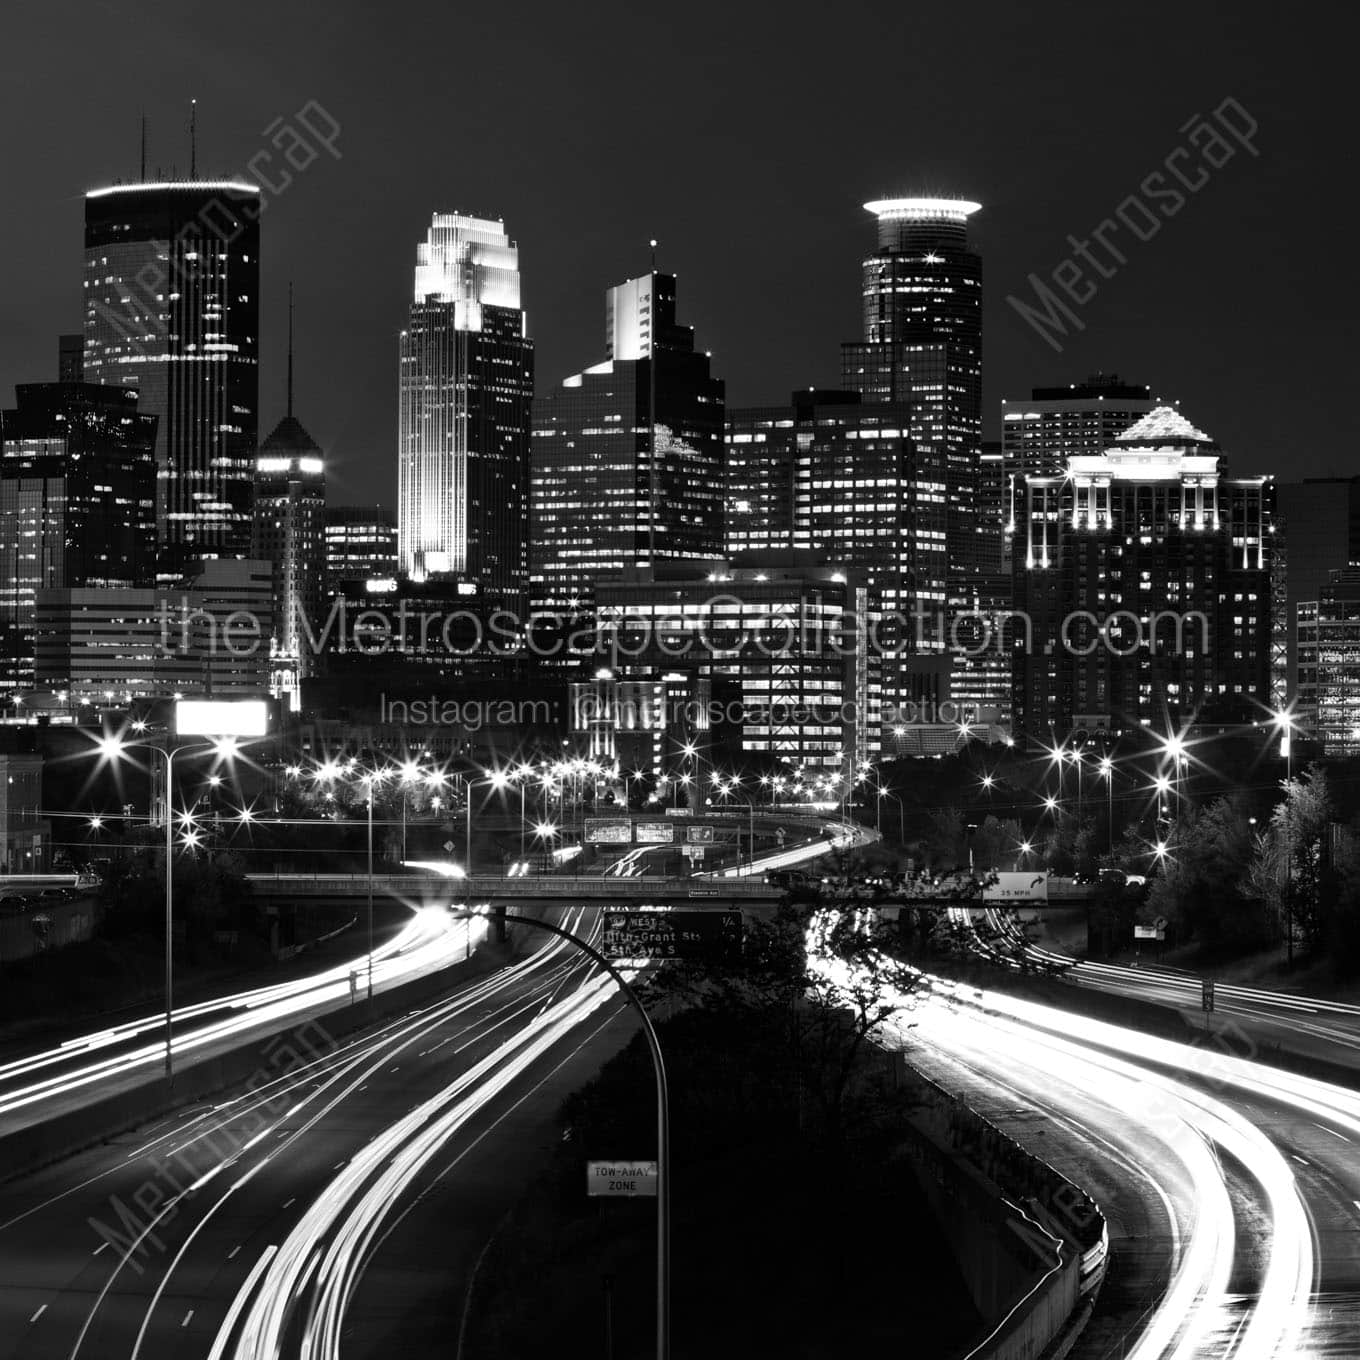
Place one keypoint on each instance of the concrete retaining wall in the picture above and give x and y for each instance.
(1030, 1244)
(44, 926)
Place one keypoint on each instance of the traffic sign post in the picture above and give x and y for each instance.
(1207, 994)
(629, 1180)
(686, 936)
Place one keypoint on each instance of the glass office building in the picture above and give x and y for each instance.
(465, 389)
(172, 281)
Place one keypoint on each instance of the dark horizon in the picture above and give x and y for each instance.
(766, 141)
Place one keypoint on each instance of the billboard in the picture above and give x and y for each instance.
(221, 718)
(655, 833)
(598, 831)
(1017, 887)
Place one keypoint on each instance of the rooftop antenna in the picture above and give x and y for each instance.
(290, 349)
(142, 179)
(193, 139)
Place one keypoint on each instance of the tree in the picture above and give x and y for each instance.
(1203, 886)
(1289, 861)
(830, 970)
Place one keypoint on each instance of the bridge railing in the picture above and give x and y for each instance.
(520, 885)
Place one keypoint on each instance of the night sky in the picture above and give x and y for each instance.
(745, 139)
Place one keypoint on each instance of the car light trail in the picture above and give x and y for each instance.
(430, 940)
(1153, 1091)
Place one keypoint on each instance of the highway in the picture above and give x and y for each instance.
(245, 1229)
(53, 1079)
(1311, 1026)
(1232, 1188)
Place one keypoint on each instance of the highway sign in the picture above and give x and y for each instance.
(692, 851)
(1149, 933)
(700, 835)
(1017, 887)
(694, 936)
(600, 831)
(1207, 994)
(655, 833)
(629, 1179)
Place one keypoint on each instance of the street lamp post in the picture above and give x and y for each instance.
(663, 1121)
(223, 722)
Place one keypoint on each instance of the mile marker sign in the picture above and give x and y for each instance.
(629, 1179)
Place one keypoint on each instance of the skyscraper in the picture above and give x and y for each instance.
(1144, 575)
(77, 503)
(290, 532)
(172, 274)
(922, 345)
(1328, 660)
(1038, 436)
(466, 383)
(602, 503)
(841, 477)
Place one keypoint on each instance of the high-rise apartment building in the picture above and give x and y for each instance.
(361, 544)
(628, 454)
(1144, 577)
(922, 346)
(465, 389)
(77, 503)
(172, 280)
(1038, 436)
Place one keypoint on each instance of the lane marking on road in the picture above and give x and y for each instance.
(99, 1248)
(231, 1255)
(1298, 1159)
(38, 1314)
(291, 1201)
(187, 1316)
(1333, 1132)
(397, 1068)
(339, 1164)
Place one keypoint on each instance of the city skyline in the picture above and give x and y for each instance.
(1175, 298)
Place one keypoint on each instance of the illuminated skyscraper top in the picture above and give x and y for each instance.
(922, 344)
(465, 383)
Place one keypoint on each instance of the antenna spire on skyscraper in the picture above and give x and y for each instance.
(290, 347)
(193, 139)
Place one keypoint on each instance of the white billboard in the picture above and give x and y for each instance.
(1017, 887)
(221, 718)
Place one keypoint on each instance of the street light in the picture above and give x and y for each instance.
(1106, 769)
(663, 1117)
(223, 721)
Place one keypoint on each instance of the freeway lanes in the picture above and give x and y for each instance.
(263, 1213)
(1310, 1026)
(51, 1080)
(1243, 1180)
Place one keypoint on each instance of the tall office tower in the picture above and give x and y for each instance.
(1328, 648)
(841, 476)
(290, 532)
(172, 307)
(627, 455)
(465, 389)
(1038, 436)
(1319, 519)
(1145, 576)
(77, 503)
(70, 358)
(922, 345)
(361, 544)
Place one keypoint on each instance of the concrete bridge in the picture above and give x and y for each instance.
(502, 890)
